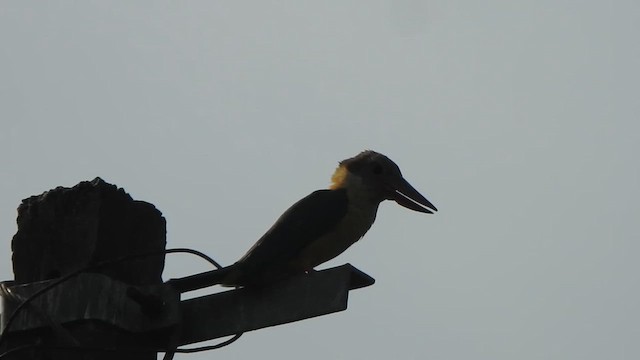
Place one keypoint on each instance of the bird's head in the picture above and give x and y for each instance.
(378, 178)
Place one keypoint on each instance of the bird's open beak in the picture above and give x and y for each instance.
(404, 194)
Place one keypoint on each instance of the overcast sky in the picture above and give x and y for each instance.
(517, 119)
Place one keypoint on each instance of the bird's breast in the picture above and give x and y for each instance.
(349, 229)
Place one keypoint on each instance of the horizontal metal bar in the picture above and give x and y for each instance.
(245, 309)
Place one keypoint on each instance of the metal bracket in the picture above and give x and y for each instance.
(301, 297)
(91, 296)
(142, 309)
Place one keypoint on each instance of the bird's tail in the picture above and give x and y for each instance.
(225, 276)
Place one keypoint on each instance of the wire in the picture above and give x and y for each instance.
(62, 333)
(18, 349)
(174, 338)
(99, 265)
(196, 252)
(120, 349)
(209, 347)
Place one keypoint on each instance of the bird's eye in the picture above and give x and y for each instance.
(377, 169)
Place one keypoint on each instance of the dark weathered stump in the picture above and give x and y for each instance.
(67, 229)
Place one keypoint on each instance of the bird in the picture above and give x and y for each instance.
(320, 226)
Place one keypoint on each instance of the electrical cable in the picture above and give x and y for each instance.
(210, 347)
(44, 316)
(18, 349)
(120, 349)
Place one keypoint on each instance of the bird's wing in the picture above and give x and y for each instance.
(305, 221)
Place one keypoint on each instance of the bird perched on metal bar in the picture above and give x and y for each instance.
(325, 223)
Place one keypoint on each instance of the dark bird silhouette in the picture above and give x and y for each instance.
(325, 223)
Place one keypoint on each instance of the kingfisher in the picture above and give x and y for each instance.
(325, 223)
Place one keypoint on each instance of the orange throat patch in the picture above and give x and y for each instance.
(339, 178)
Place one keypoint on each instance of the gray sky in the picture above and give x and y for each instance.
(519, 120)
